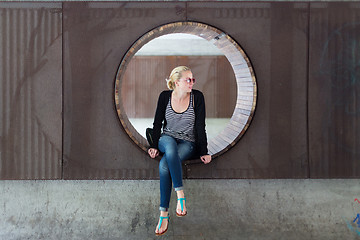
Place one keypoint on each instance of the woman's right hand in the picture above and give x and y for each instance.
(153, 152)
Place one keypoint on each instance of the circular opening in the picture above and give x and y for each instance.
(234, 124)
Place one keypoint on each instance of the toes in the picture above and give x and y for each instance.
(162, 227)
(178, 211)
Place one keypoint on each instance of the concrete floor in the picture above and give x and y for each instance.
(218, 209)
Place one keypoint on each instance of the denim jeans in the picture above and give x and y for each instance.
(170, 169)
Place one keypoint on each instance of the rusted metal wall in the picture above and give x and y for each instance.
(305, 61)
(334, 90)
(274, 36)
(31, 92)
(96, 37)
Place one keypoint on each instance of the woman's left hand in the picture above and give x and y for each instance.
(153, 152)
(206, 159)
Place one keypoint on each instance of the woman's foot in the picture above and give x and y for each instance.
(181, 208)
(163, 224)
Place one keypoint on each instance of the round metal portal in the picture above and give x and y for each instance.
(244, 75)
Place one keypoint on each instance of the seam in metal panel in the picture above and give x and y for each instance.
(307, 91)
(62, 91)
(2, 108)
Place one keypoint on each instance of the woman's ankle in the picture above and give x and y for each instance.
(180, 194)
(164, 213)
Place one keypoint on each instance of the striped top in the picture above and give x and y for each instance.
(180, 125)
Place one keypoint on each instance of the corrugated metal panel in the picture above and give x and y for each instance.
(30, 71)
(334, 90)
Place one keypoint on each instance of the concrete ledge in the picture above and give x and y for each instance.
(218, 209)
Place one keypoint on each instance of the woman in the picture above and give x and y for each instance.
(182, 110)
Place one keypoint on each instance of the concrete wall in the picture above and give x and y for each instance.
(218, 209)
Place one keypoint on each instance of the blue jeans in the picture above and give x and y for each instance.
(170, 169)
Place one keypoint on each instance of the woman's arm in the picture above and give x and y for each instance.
(200, 114)
(159, 118)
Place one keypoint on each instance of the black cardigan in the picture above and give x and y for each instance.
(199, 107)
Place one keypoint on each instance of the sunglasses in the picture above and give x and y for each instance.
(189, 80)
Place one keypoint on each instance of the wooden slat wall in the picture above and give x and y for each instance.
(145, 78)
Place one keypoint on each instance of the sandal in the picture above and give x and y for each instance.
(161, 219)
(182, 207)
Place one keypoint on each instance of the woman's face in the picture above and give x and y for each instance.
(186, 82)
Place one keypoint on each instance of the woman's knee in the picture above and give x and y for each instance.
(186, 150)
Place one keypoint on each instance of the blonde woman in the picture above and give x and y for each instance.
(181, 113)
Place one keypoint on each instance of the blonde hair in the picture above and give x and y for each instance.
(175, 75)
